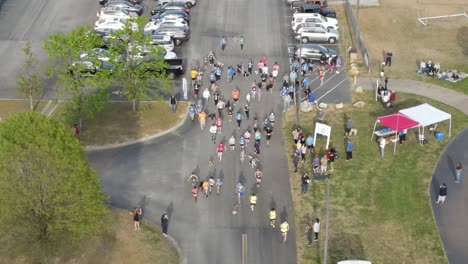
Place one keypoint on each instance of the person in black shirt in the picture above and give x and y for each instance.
(173, 103)
(268, 132)
(164, 224)
(442, 193)
(305, 180)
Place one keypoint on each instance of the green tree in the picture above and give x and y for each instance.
(84, 77)
(29, 82)
(50, 197)
(141, 71)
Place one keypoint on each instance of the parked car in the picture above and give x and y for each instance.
(115, 12)
(127, 6)
(313, 52)
(138, 52)
(296, 5)
(87, 68)
(137, 2)
(189, 3)
(315, 18)
(175, 68)
(179, 22)
(313, 8)
(170, 6)
(172, 14)
(318, 34)
(114, 25)
(178, 34)
(164, 41)
(98, 53)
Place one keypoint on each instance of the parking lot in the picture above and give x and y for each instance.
(336, 86)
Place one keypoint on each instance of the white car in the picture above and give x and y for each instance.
(164, 41)
(115, 12)
(114, 23)
(141, 52)
(101, 54)
(178, 22)
(314, 18)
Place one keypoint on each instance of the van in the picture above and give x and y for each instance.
(315, 18)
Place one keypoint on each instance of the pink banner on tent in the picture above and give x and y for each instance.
(397, 122)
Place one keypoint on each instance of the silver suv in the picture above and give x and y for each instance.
(317, 34)
(188, 3)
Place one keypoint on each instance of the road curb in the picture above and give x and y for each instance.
(140, 140)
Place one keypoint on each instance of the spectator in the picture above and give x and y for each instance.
(349, 150)
(305, 180)
(458, 172)
(442, 193)
(173, 103)
(388, 59)
(164, 224)
(76, 130)
(382, 143)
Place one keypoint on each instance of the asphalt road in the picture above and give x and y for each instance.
(154, 174)
(450, 215)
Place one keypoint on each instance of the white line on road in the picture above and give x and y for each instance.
(329, 91)
(334, 75)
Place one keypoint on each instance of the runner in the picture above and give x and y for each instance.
(272, 119)
(235, 95)
(250, 66)
(219, 184)
(211, 182)
(239, 118)
(219, 124)
(241, 142)
(220, 149)
(213, 130)
(211, 58)
(202, 119)
(242, 156)
(253, 89)
(220, 106)
(266, 123)
(216, 98)
(257, 149)
(193, 75)
(284, 227)
(232, 142)
(223, 43)
(247, 98)
(247, 137)
(258, 177)
(196, 89)
(253, 201)
(230, 112)
(206, 187)
(195, 193)
(239, 192)
(194, 179)
(192, 112)
(258, 136)
(272, 216)
(255, 125)
(268, 132)
(247, 110)
(275, 70)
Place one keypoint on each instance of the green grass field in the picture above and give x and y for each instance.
(380, 208)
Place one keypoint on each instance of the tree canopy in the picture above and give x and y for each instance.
(50, 197)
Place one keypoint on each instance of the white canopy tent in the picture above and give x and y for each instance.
(427, 115)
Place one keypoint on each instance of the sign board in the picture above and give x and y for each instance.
(322, 129)
(184, 87)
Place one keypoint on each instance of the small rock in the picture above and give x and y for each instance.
(339, 106)
(323, 105)
(358, 89)
(359, 104)
(306, 106)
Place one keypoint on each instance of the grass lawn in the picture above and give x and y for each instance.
(399, 30)
(120, 244)
(14, 106)
(380, 208)
(116, 123)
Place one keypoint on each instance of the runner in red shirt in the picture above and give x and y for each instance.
(219, 124)
(220, 149)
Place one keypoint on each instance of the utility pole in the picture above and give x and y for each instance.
(327, 220)
(297, 92)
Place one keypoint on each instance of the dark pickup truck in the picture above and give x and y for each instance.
(175, 67)
(314, 8)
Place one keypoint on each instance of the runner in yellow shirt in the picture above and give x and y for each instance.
(284, 227)
(253, 201)
(272, 216)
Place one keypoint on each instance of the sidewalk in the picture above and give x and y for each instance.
(451, 217)
(437, 93)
